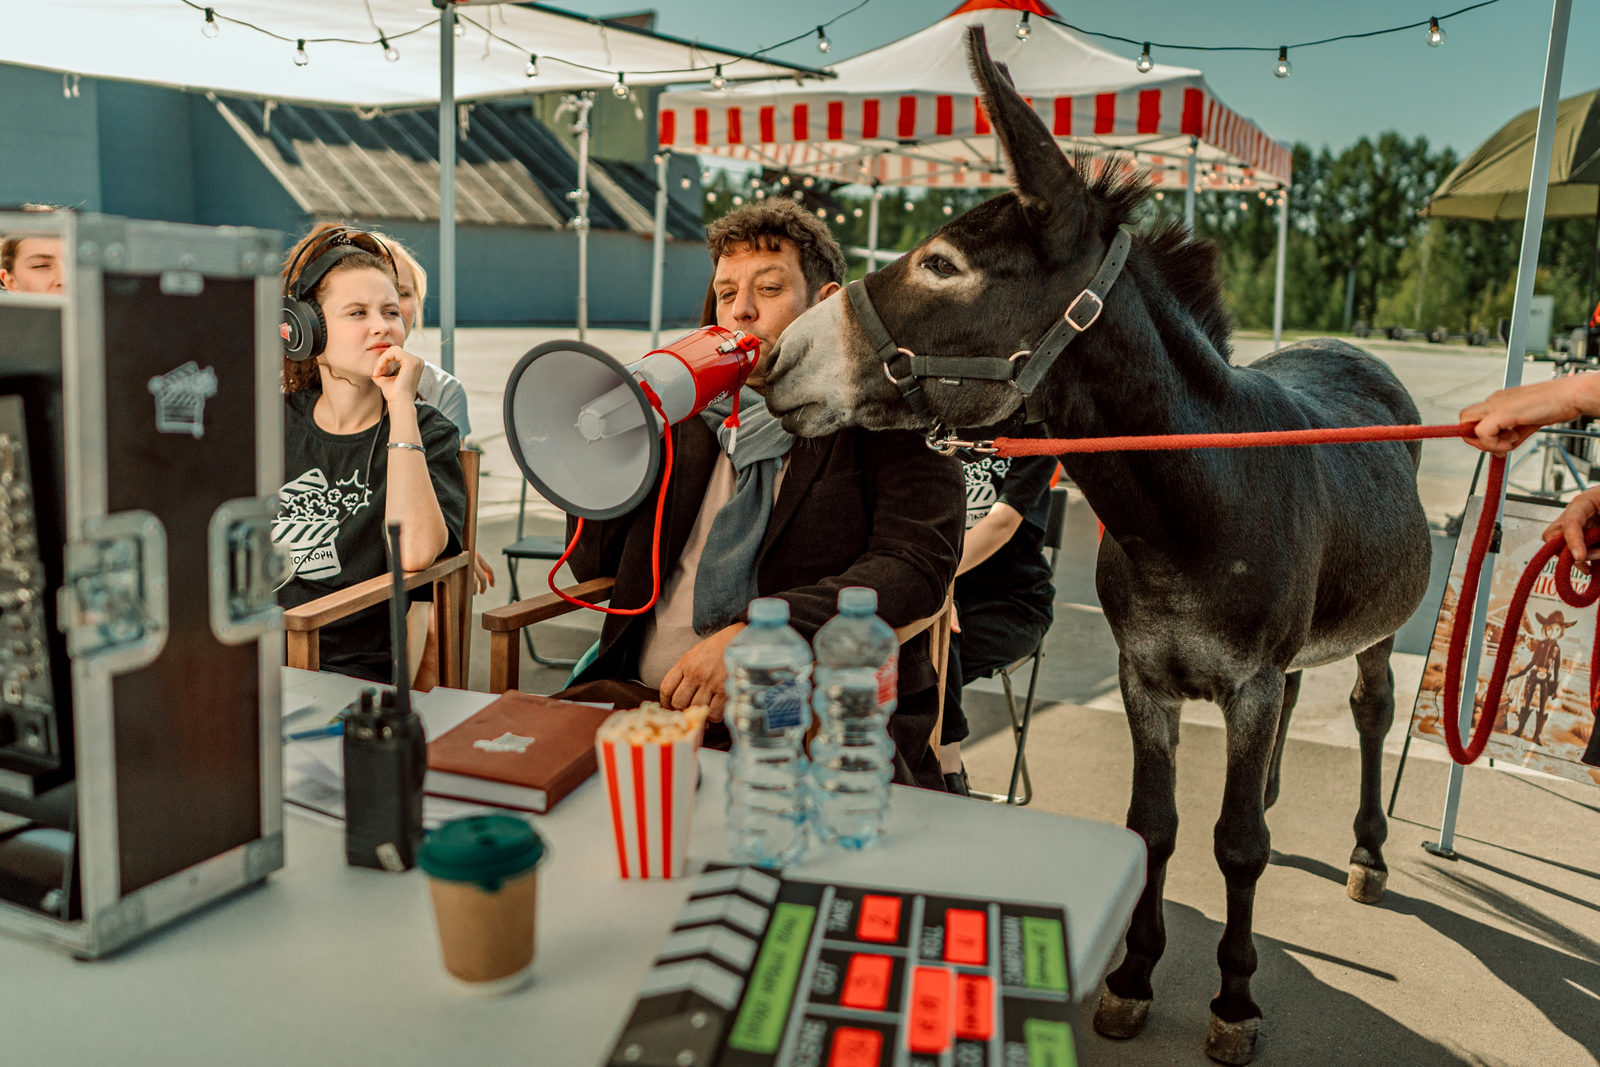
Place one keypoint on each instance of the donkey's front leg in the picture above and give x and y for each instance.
(1153, 815)
(1372, 701)
(1242, 848)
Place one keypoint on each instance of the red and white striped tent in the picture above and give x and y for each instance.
(908, 114)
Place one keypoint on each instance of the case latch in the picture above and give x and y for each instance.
(113, 605)
(246, 570)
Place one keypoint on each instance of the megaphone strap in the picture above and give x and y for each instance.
(655, 543)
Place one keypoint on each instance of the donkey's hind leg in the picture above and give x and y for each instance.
(1153, 815)
(1291, 693)
(1372, 701)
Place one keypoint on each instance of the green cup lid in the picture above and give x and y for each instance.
(486, 849)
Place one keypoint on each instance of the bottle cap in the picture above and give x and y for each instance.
(769, 611)
(858, 600)
(486, 849)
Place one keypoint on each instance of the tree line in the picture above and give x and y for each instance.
(1359, 251)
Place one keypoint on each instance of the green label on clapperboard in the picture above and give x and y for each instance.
(1049, 1043)
(759, 1026)
(1044, 960)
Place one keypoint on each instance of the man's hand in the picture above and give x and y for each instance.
(1571, 523)
(1511, 416)
(482, 573)
(699, 676)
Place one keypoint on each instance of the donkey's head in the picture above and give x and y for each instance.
(989, 283)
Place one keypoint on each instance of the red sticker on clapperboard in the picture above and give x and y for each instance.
(929, 1027)
(965, 939)
(880, 918)
(854, 1047)
(866, 983)
(974, 1007)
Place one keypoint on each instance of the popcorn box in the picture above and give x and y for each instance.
(647, 764)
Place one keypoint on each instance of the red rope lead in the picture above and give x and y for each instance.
(1450, 710)
(1026, 446)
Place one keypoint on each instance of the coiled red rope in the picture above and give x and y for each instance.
(1460, 627)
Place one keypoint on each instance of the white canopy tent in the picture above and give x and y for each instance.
(908, 114)
(160, 42)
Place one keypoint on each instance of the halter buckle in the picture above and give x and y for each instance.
(1099, 306)
(950, 445)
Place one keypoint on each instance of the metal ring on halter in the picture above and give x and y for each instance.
(889, 374)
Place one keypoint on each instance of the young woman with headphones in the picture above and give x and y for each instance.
(358, 448)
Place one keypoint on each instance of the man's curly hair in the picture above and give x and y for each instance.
(766, 223)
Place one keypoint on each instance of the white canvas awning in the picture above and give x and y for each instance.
(159, 42)
(908, 114)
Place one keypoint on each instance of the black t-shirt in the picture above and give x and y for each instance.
(1017, 571)
(330, 517)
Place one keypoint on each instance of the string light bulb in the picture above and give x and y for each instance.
(911, 205)
(461, 28)
(620, 89)
(1144, 64)
(1435, 32)
(1282, 69)
(839, 218)
(738, 200)
(390, 52)
(1024, 27)
(532, 69)
(823, 44)
(711, 198)
(300, 57)
(211, 29)
(717, 80)
(685, 183)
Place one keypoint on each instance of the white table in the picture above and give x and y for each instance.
(327, 964)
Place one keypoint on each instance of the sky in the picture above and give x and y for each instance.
(1489, 68)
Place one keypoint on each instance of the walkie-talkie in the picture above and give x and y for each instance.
(385, 755)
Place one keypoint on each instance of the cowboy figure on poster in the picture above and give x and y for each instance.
(1543, 671)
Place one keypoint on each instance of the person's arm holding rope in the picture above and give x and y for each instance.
(1511, 416)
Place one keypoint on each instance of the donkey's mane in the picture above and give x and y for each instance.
(1187, 264)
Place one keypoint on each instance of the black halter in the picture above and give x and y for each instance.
(1025, 369)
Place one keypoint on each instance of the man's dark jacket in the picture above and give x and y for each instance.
(854, 508)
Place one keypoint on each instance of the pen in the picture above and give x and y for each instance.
(335, 730)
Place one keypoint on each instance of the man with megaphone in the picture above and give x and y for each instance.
(785, 517)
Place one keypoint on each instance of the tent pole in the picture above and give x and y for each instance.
(658, 248)
(447, 187)
(1277, 290)
(1527, 263)
(872, 228)
(1188, 194)
(582, 103)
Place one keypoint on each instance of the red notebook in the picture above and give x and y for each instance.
(522, 751)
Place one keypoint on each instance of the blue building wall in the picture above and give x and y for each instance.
(148, 152)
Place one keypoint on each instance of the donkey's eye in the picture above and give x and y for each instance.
(940, 266)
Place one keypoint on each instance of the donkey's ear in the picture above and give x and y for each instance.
(1040, 173)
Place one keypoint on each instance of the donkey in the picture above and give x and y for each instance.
(1222, 573)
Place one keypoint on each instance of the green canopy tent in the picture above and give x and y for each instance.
(1492, 182)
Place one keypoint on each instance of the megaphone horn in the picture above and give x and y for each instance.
(586, 430)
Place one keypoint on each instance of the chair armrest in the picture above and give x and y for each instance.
(902, 634)
(315, 614)
(525, 613)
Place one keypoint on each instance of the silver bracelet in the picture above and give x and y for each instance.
(408, 444)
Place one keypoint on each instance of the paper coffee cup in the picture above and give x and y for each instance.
(650, 787)
(484, 879)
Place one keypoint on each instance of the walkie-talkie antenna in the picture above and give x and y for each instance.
(397, 624)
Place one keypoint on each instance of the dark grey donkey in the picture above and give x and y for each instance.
(1223, 573)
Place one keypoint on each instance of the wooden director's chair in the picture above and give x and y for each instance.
(451, 616)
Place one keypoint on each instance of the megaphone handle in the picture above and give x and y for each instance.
(655, 544)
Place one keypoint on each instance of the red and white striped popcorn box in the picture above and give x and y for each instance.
(651, 787)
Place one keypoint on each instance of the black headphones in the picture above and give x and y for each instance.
(304, 329)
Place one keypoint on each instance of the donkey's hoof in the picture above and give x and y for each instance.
(1365, 884)
(1120, 1017)
(1232, 1042)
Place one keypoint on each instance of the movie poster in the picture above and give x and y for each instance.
(1544, 721)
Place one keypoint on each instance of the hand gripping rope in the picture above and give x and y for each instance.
(1450, 708)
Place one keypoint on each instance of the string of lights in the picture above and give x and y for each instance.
(213, 19)
(1433, 36)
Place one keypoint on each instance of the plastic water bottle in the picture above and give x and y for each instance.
(769, 686)
(852, 758)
